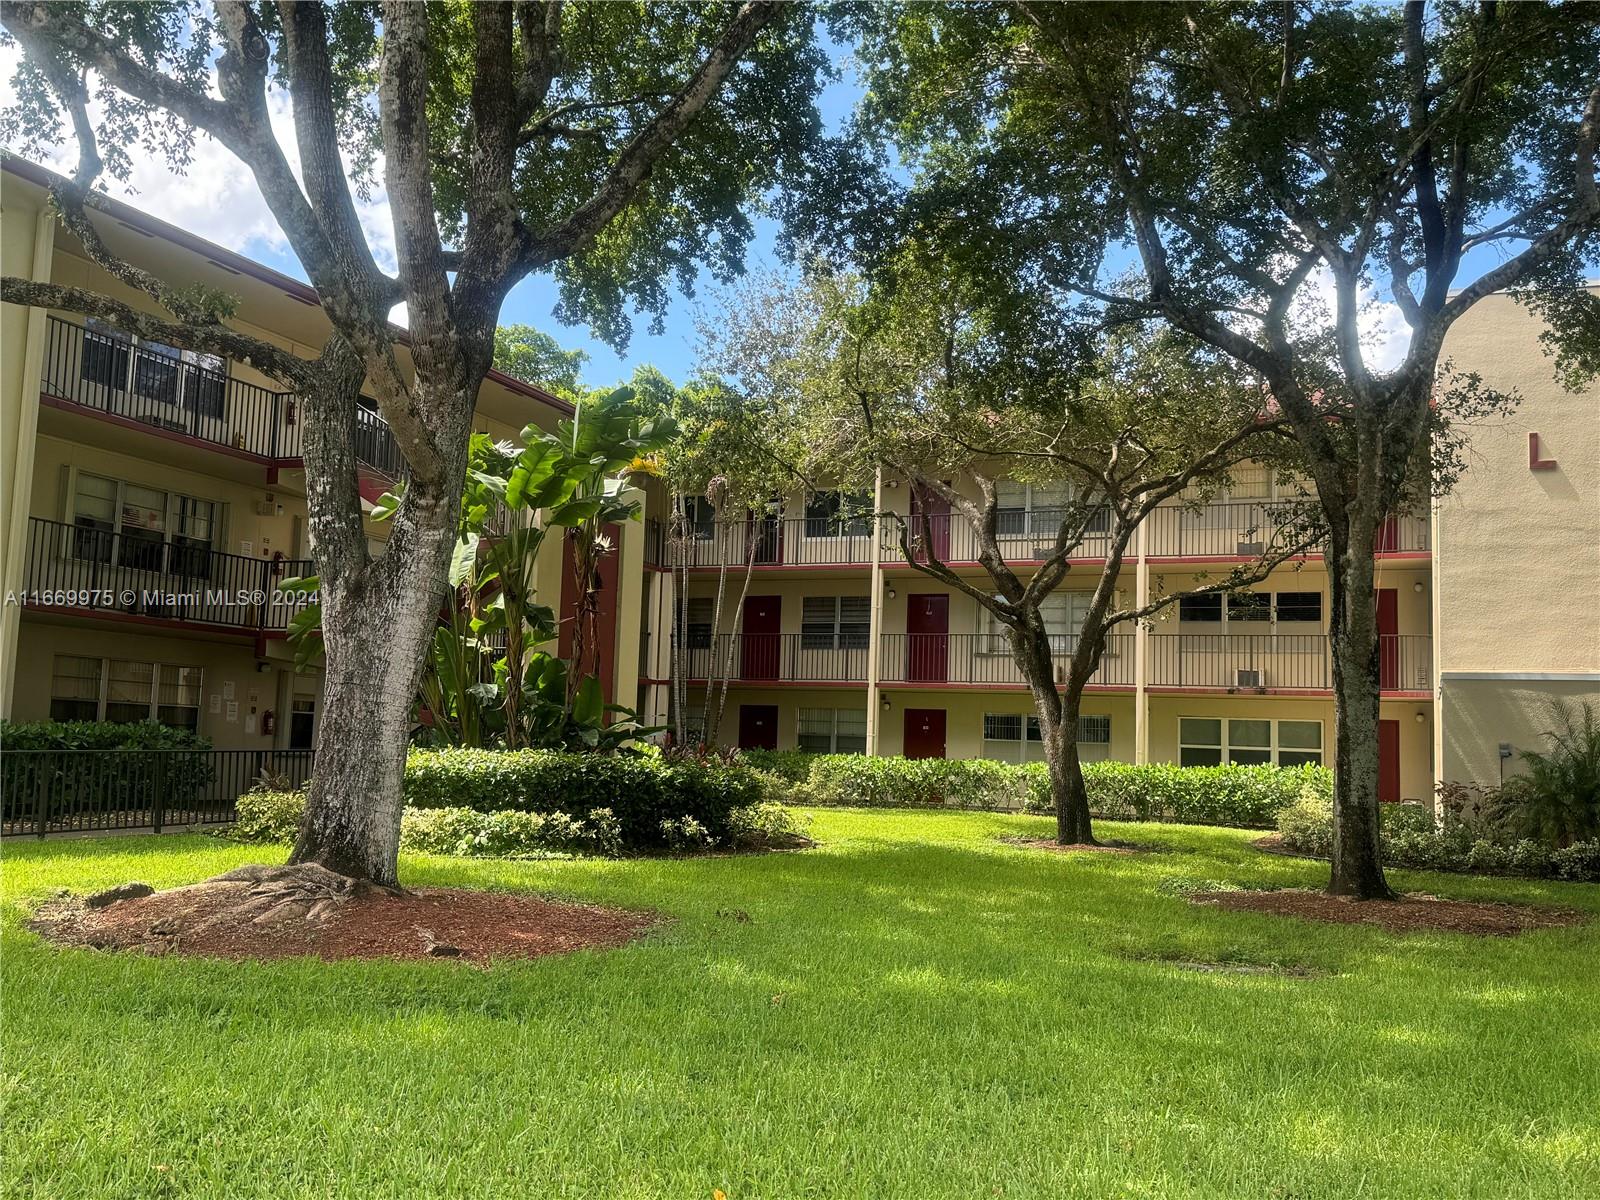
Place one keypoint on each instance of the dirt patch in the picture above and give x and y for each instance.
(208, 921)
(1206, 967)
(1414, 912)
(1075, 847)
(1273, 844)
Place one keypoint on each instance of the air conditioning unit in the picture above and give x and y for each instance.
(1251, 679)
(1249, 549)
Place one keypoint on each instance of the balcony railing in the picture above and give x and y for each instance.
(1278, 661)
(1243, 530)
(154, 386)
(982, 658)
(137, 573)
(779, 657)
(1230, 530)
(1198, 661)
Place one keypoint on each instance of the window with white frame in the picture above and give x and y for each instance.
(838, 514)
(1036, 510)
(1017, 737)
(832, 730)
(1297, 608)
(1251, 610)
(835, 622)
(1211, 741)
(122, 690)
(1062, 613)
(132, 525)
(153, 370)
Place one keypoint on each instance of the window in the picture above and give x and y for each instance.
(95, 689)
(1036, 510)
(137, 522)
(1250, 606)
(1201, 741)
(838, 514)
(153, 371)
(302, 723)
(697, 622)
(835, 622)
(1063, 614)
(832, 730)
(75, 689)
(1017, 737)
(1200, 608)
(699, 518)
(1299, 606)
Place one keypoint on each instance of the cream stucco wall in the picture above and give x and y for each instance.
(1517, 553)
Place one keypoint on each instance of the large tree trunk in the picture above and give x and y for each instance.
(1058, 723)
(1357, 852)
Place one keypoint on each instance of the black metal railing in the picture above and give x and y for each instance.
(1023, 535)
(1243, 529)
(775, 541)
(135, 572)
(82, 791)
(985, 658)
(156, 387)
(1286, 661)
(778, 657)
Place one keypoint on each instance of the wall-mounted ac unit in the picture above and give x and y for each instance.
(1249, 549)
(1251, 679)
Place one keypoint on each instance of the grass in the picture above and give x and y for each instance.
(913, 1010)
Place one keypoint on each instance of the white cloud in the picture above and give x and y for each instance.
(216, 196)
(1385, 336)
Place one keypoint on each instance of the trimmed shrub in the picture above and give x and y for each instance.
(640, 791)
(768, 826)
(1412, 838)
(60, 778)
(466, 833)
(268, 816)
(1229, 795)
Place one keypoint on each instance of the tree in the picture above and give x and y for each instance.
(1252, 155)
(533, 356)
(933, 382)
(611, 144)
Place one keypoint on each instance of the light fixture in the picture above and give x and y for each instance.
(1417, 586)
(1421, 717)
(891, 591)
(886, 704)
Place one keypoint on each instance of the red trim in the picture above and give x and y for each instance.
(1535, 462)
(154, 227)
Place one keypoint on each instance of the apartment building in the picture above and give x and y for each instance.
(843, 646)
(155, 498)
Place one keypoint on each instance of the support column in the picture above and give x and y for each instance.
(875, 609)
(1141, 648)
(20, 432)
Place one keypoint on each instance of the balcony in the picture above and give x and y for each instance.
(154, 387)
(778, 658)
(1201, 662)
(1243, 530)
(985, 658)
(76, 569)
(1215, 531)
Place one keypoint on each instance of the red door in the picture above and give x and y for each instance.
(924, 733)
(1389, 762)
(928, 640)
(758, 726)
(1388, 639)
(938, 510)
(599, 659)
(758, 658)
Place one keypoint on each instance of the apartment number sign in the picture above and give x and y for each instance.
(1536, 460)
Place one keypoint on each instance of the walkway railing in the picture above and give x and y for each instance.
(154, 386)
(1245, 529)
(985, 658)
(81, 791)
(81, 568)
(785, 657)
(1278, 661)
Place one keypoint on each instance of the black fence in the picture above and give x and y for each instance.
(83, 791)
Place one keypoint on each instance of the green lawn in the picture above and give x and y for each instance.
(913, 1010)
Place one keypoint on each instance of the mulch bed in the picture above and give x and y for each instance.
(1414, 912)
(453, 923)
(1075, 847)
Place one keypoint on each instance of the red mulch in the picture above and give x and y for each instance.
(469, 926)
(1074, 847)
(1414, 912)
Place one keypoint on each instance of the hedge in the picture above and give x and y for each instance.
(269, 816)
(641, 791)
(1231, 795)
(70, 781)
(1411, 837)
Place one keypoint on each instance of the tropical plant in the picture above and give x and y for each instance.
(1557, 800)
